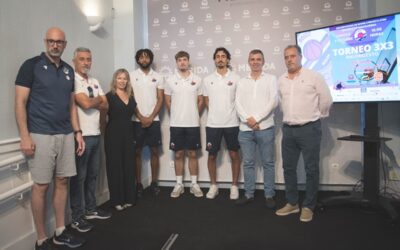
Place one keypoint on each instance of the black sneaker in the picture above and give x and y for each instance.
(154, 188)
(68, 239)
(139, 190)
(46, 245)
(270, 203)
(82, 225)
(244, 201)
(97, 214)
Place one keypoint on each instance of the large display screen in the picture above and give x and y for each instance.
(357, 59)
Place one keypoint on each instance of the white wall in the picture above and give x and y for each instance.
(23, 24)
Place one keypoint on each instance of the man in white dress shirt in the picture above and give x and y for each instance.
(305, 99)
(148, 90)
(219, 91)
(256, 100)
(184, 101)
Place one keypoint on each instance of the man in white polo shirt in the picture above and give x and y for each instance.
(219, 91)
(148, 90)
(90, 99)
(256, 100)
(184, 101)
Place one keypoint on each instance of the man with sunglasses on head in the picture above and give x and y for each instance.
(48, 122)
(90, 99)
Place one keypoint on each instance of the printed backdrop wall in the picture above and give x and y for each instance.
(200, 26)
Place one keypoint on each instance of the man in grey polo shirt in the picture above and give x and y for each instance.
(47, 121)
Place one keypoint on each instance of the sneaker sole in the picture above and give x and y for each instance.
(196, 195)
(80, 230)
(212, 197)
(66, 244)
(305, 220)
(177, 195)
(90, 217)
(287, 213)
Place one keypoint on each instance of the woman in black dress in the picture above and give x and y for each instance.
(118, 142)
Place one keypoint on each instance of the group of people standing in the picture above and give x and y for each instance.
(61, 113)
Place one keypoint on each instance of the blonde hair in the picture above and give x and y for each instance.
(128, 87)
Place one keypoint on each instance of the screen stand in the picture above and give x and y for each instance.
(371, 156)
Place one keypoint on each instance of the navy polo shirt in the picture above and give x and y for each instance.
(48, 107)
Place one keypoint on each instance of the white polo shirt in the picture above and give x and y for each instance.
(221, 91)
(89, 119)
(258, 99)
(145, 91)
(305, 98)
(184, 93)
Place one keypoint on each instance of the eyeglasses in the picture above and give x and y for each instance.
(51, 42)
(91, 95)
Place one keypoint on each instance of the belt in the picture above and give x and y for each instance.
(300, 125)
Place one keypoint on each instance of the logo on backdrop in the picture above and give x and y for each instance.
(199, 30)
(184, 6)
(209, 17)
(204, 4)
(327, 7)
(306, 9)
(285, 10)
(348, 5)
(265, 12)
(190, 19)
(227, 15)
(156, 22)
(165, 9)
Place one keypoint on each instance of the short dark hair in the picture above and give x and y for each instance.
(297, 47)
(145, 52)
(256, 51)
(226, 52)
(182, 54)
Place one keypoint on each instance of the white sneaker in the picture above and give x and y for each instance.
(234, 192)
(178, 190)
(212, 192)
(195, 189)
(119, 207)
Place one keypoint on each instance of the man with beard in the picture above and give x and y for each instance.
(219, 96)
(148, 90)
(47, 122)
(90, 99)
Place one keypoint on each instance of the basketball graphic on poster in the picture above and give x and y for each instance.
(312, 50)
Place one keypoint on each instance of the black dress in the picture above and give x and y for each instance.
(120, 150)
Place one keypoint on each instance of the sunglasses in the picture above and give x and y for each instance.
(91, 95)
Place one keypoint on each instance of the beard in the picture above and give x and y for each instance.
(85, 71)
(55, 52)
(144, 65)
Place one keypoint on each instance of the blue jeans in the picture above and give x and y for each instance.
(83, 184)
(265, 140)
(307, 140)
